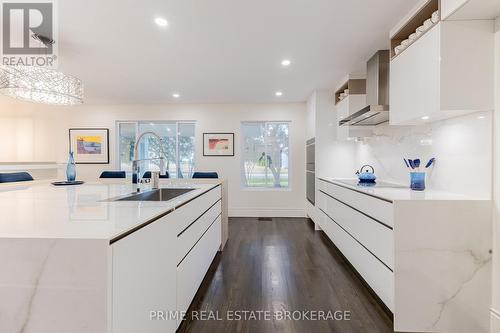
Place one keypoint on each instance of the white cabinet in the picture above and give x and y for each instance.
(448, 7)
(375, 236)
(187, 239)
(347, 107)
(144, 278)
(470, 9)
(192, 269)
(361, 228)
(447, 72)
(160, 266)
(380, 279)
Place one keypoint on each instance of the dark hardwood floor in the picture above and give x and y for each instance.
(279, 265)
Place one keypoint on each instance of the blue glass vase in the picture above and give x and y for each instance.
(71, 168)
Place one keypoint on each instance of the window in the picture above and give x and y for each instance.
(265, 155)
(178, 145)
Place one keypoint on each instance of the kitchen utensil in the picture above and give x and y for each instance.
(410, 162)
(416, 162)
(406, 162)
(431, 161)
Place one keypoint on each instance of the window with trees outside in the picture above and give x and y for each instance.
(178, 145)
(265, 154)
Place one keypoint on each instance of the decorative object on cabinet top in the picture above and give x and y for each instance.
(426, 17)
(351, 86)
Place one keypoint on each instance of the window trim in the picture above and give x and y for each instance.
(243, 187)
(138, 122)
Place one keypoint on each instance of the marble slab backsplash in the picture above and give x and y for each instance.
(462, 147)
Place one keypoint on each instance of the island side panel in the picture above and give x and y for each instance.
(442, 268)
(53, 285)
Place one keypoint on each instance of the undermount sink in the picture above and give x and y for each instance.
(162, 194)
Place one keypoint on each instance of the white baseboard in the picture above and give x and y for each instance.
(266, 212)
(495, 321)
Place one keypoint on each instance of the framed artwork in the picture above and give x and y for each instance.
(218, 144)
(89, 145)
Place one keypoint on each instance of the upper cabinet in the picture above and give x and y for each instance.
(444, 71)
(347, 107)
(470, 9)
(350, 97)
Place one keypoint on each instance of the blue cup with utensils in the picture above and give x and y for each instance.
(417, 181)
(417, 177)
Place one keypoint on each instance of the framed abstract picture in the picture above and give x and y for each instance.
(218, 144)
(89, 145)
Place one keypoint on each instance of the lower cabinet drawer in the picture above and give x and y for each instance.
(187, 239)
(194, 209)
(377, 238)
(192, 269)
(379, 277)
(377, 208)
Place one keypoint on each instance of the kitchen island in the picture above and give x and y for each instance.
(426, 255)
(76, 260)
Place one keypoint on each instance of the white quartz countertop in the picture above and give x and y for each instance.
(40, 210)
(399, 192)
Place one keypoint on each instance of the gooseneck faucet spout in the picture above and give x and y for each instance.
(135, 163)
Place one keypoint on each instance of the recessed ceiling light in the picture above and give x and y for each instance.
(425, 117)
(285, 62)
(161, 22)
(278, 93)
(481, 117)
(176, 95)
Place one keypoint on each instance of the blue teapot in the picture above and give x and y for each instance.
(365, 175)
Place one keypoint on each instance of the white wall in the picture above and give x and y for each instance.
(496, 194)
(30, 132)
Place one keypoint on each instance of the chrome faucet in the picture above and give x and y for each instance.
(135, 162)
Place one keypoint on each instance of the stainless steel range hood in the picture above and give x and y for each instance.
(377, 94)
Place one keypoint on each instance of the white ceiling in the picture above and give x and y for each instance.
(219, 51)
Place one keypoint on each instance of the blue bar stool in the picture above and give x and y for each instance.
(15, 177)
(113, 174)
(205, 175)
